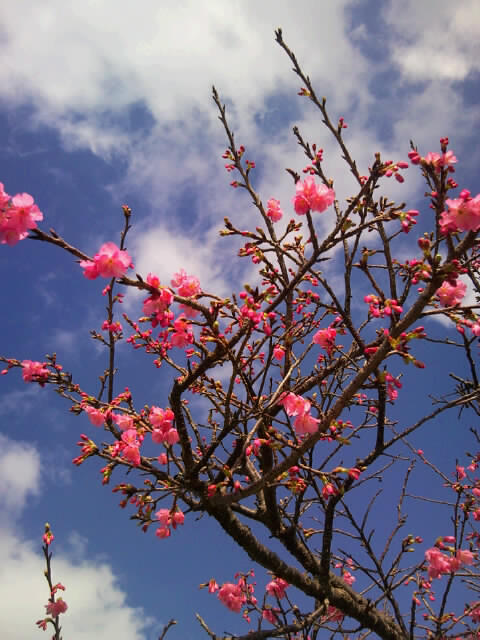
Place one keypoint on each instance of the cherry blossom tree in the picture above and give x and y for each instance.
(312, 368)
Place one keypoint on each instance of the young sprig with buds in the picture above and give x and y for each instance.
(56, 605)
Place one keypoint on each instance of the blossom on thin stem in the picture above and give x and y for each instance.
(34, 371)
(451, 295)
(109, 262)
(18, 215)
(312, 197)
(274, 211)
(276, 588)
(54, 609)
(326, 339)
(463, 214)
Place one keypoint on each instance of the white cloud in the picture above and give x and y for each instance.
(64, 340)
(165, 56)
(435, 40)
(97, 604)
(20, 401)
(19, 474)
(162, 60)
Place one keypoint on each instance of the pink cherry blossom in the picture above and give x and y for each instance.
(162, 420)
(326, 339)
(475, 614)
(232, 596)
(187, 286)
(163, 516)
(162, 532)
(161, 417)
(448, 159)
(54, 609)
(158, 302)
(109, 262)
(90, 270)
(278, 352)
(183, 334)
(96, 417)
(17, 216)
(131, 450)
(294, 405)
(451, 295)
(277, 588)
(178, 517)
(465, 556)
(354, 473)
(270, 615)
(461, 472)
(349, 579)
(123, 421)
(34, 371)
(4, 197)
(167, 520)
(273, 210)
(463, 214)
(312, 197)
(329, 490)
(213, 586)
(434, 159)
(439, 563)
(170, 436)
(305, 424)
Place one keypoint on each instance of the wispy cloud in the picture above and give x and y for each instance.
(97, 604)
(20, 401)
(19, 474)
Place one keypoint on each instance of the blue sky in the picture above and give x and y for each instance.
(103, 104)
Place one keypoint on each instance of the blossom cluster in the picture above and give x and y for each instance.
(463, 214)
(129, 446)
(168, 519)
(234, 596)
(439, 563)
(109, 262)
(162, 421)
(380, 308)
(276, 588)
(237, 595)
(157, 304)
(445, 160)
(157, 308)
(34, 371)
(54, 609)
(451, 295)
(326, 339)
(297, 406)
(187, 286)
(312, 197)
(18, 215)
(274, 211)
